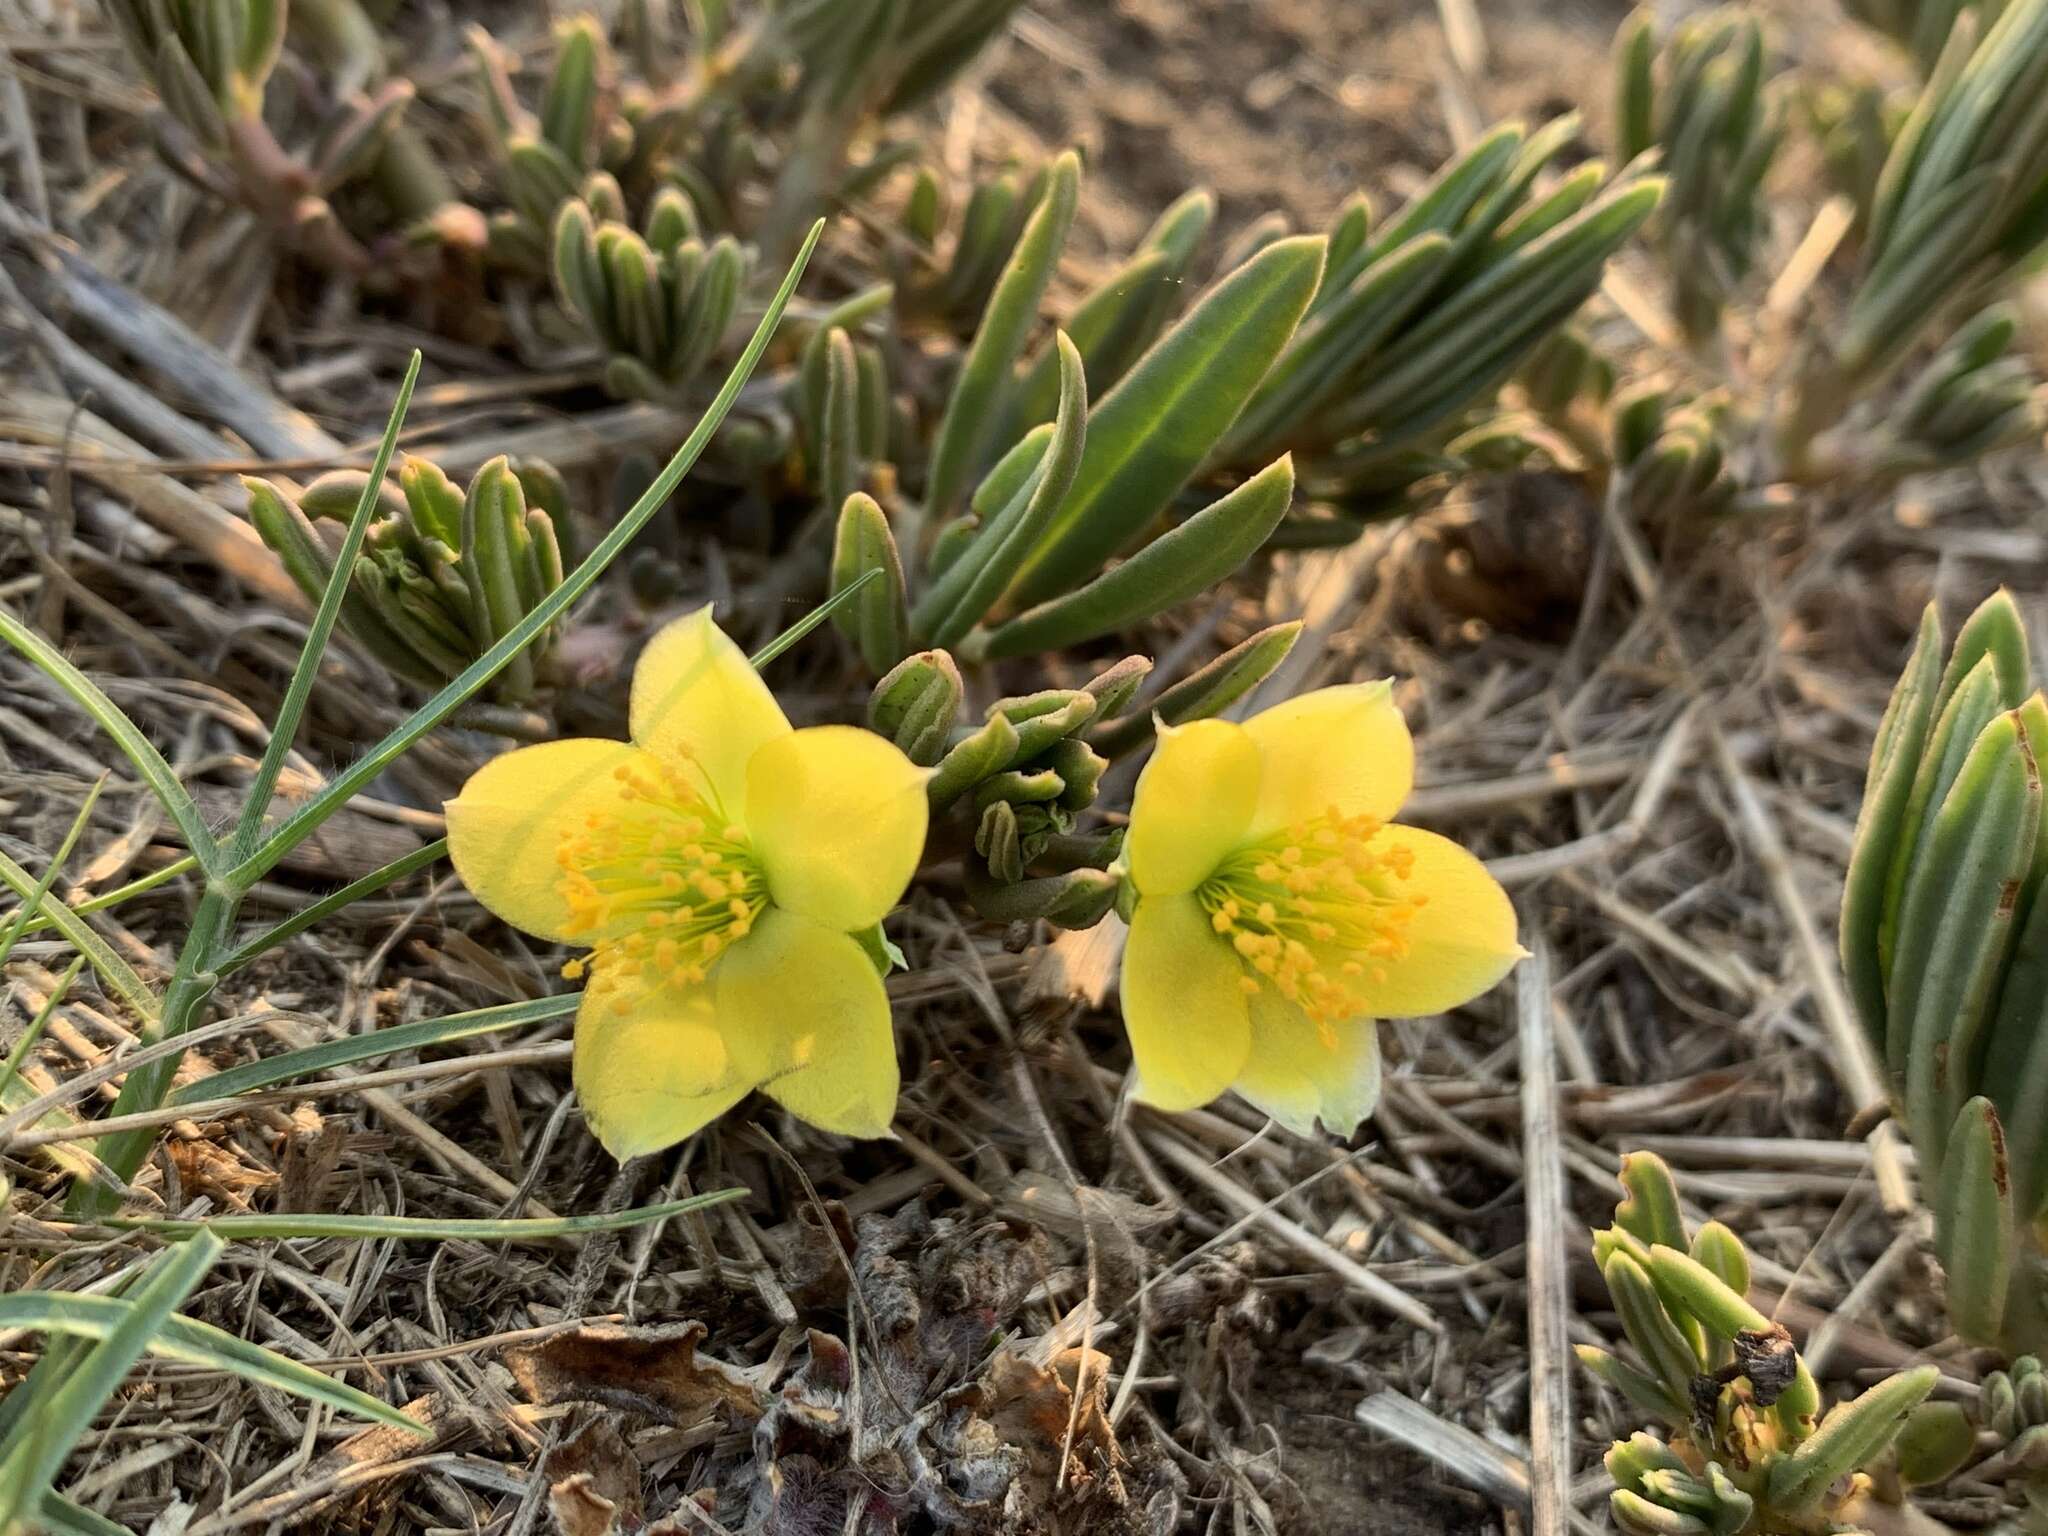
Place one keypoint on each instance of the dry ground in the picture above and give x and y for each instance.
(1665, 772)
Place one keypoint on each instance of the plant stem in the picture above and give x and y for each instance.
(192, 985)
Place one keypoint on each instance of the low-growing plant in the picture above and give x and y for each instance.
(1943, 938)
(1749, 1447)
(98, 1341)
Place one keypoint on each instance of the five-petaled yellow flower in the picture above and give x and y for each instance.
(718, 865)
(1279, 914)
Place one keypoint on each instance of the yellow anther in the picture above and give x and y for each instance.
(1303, 909)
(660, 899)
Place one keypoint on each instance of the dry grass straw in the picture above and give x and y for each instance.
(1664, 767)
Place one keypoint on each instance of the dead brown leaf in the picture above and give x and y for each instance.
(654, 1371)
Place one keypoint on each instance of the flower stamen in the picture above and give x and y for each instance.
(664, 889)
(1315, 911)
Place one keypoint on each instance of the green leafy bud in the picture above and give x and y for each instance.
(1999, 1405)
(2032, 1393)
(971, 759)
(1629, 1461)
(915, 705)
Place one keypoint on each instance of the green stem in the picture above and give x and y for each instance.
(185, 1000)
(307, 916)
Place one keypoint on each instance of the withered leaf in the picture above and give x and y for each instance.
(649, 1370)
(594, 1481)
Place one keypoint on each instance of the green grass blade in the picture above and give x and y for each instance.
(1151, 432)
(975, 407)
(141, 885)
(36, 1026)
(306, 917)
(421, 1228)
(296, 828)
(36, 1448)
(61, 1517)
(330, 1054)
(34, 904)
(156, 773)
(116, 973)
(300, 689)
(810, 621)
(191, 1342)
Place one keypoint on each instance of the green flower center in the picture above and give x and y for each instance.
(672, 884)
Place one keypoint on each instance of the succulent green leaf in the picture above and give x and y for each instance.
(1635, 122)
(1887, 790)
(1973, 1223)
(1648, 1394)
(972, 758)
(972, 585)
(1934, 1442)
(839, 446)
(1690, 1289)
(1649, 1326)
(495, 504)
(1203, 693)
(1640, 1517)
(1852, 1436)
(1150, 433)
(875, 618)
(1650, 1209)
(1719, 1251)
(975, 408)
(1206, 549)
(568, 110)
(1955, 928)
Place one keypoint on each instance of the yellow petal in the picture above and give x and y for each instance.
(1345, 749)
(1460, 944)
(1192, 805)
(1295, 1075)
(506, 825)
(697, 701)
(650, 1066)
(808, 1019)
(837, 817)
(1184, 1005)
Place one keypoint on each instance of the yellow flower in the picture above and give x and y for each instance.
(718, 866)
(1279, 913)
